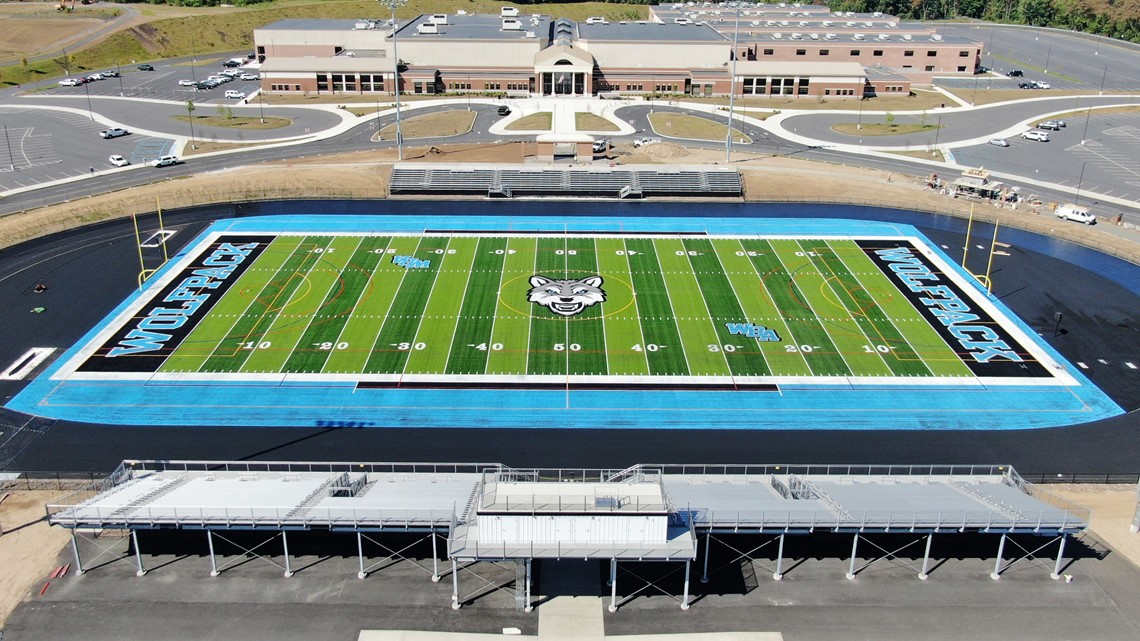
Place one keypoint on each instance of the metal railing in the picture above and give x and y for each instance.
(125, 515)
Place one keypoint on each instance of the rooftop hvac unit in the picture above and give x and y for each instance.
(531, 34)
(508, 11)
(438, 18)
(511, 24)
(858, 36)
(427, 28)
(362, 25)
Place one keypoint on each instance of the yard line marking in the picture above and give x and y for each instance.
(1130, 365)
(850, 313)
(672, 310)
(636, 311)
(740, 304)
(363, 290)
(495, 315)
(458, 318)
(791, 274)
(423, 312)
(708, 313)
(396, 295)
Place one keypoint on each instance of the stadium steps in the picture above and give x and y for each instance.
(592, 182)
(314, 497)
(472, 502)
(143, 499)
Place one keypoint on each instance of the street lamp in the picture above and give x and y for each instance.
(859, 125)
(88, 91)
(1048, 53)
(1080, 181)
(190, 119)
(732, 88)
(11, 159)
(393, 5)
(937, 130)
(119, 74)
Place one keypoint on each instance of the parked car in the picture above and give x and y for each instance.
(1075, 213)
(233, 93)
(999, 142)
(186, 83)
(643, 142)
(1027, 85)
(1051, 125)
(113, 132)
(163, 161)
(981, 69)
(118, 161)
(231, 63)
(69, 82)
(504, 110)
(1015, 73)
(250, 76)
(94, 76)
(601, 146)
(1041, 84)
(111, 74)
(1060, 123)
(229, 73)
(1035, 134)
(146, 67)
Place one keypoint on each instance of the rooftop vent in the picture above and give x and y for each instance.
(829, 36)
(438, 18)
(511, 24)
(427, 27)
(906, 36)
(815, 36)
(858, 36)
(777, 35)
(936, 37)
(884, 36)
(797, 36)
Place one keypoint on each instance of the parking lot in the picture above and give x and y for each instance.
(1108, 161)
(163, 83)
(44, 146)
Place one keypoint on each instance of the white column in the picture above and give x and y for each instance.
(705, 574)
(75, 552)
(1060, 556)
(685, 595)
(360, 555)
(854, 549)
(434, 560)
(213, 561)
(454, 586)
(777, 575)
(926, 557)
(613, 585)
(138, 555)
(285, 543)
(997, 562)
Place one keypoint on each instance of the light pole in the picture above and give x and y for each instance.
(88, 91)
(937, 130)
(261, 106)
(859, 125)
(1085, 133)
(1102, 78)
(393, 5)
(190, 119)
(1048, 53)
(732, 88)
(11, 159)
(1080, 181)
(119, 74)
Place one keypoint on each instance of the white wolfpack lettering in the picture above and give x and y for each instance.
(152, 331)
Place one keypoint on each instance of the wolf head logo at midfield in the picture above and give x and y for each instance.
(566, 297)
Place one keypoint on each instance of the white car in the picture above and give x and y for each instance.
(163, 161)
(250, 76)
(999, 142)
(69, 82)
(1041, 84)
(113, 132)
(234, 93)
(118, 161)
(1034, 134)
(186, 83)
(642, 142)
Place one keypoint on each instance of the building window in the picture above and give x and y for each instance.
(930, 67)
(963, 54)
(909, 53)
(961, 68)
(801, 52)
(878, 53)
(854, 52)
(803, 90)
(322, 82)
(932, 53)
(768, 52)
(825, 52)
(337, 82)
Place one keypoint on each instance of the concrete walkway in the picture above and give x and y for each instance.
(562, 618)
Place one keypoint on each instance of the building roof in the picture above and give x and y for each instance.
(773, 68)
(477, 27)
(648, 32)
(315, 24)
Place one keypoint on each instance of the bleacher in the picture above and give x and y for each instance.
(525, 181)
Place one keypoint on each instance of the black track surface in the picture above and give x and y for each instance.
(90, 271)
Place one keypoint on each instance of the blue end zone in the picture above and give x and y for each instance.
(970, 406)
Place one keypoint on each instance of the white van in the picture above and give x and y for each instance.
(1075, 213)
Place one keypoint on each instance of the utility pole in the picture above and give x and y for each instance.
(732, 88)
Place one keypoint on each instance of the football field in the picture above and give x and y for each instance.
(519, 308)
(400, 321)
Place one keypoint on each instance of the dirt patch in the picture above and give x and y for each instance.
(24, 35)
(1113, 507)
(28, 547)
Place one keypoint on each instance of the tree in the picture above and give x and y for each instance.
(890, 118)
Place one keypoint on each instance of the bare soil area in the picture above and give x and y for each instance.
(28, 546)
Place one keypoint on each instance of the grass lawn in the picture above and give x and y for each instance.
(540, 121)
(593, 122)
(918, 100)
(879, 129)
(365, 111)
(444, 123)
(238, 122)
(677, 125)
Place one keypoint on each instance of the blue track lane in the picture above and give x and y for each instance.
(842, 406)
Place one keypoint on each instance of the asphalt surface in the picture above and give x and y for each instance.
(90, 271)
(250, 600)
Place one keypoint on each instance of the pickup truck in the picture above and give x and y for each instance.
(113, 132)
(643, 142)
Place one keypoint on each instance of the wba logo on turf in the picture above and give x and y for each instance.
(566, 297)
(759, 332)
(411, 262)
